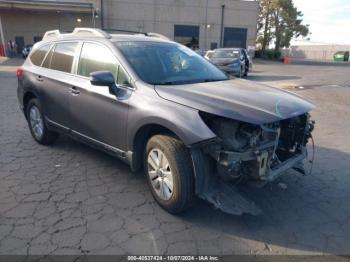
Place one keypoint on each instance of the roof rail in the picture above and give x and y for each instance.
(79, 31)
(156, 35)
(85, 31)
(150, 34)
(52, 33)
(124, 31)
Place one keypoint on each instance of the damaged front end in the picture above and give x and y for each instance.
(247, 152)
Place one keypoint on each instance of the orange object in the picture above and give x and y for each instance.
(287, 60)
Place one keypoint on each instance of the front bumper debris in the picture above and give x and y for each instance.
(280, 169)
(222, 195)
(229, 200)
(242, 152)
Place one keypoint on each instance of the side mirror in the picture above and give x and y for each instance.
(105, 78)
(102, 78)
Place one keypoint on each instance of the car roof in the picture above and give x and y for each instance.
(138, 37)
(113, 39)
(230, 48)
(98, 35)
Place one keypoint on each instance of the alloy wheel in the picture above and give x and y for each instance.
(36, 122)
(160, 174)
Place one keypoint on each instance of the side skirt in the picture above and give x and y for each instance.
(113, 151)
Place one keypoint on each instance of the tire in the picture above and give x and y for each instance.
(47, 137)
(180, 165)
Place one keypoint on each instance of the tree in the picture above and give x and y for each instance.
(264, 22)
(281, 21)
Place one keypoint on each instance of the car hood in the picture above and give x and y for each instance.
(224, 61)
(237, 99)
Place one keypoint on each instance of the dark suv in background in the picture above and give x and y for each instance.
(162, 108)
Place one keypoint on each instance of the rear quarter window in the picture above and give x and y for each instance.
(47, 61)
(38, 55)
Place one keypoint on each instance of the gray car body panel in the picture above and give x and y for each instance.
(147, 107)
(238, 99)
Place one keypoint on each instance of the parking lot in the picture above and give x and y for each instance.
(71, 199)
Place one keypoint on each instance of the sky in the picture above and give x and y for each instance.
(329, 20)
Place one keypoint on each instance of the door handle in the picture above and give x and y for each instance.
(74, 91)
(40, 78)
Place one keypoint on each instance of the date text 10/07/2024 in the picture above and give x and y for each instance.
(173, 258)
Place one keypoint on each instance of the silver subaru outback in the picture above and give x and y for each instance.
(162, 108)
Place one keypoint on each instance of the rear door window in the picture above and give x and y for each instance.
(63, 56)
(38, 55)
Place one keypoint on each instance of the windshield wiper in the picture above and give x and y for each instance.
(166, 83)
(213, 80)
(169, 83)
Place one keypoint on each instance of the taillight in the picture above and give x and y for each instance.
(19, 72)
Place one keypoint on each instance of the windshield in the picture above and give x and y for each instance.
(226, 53)
(168, 63)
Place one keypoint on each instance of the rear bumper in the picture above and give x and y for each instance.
(20, 97)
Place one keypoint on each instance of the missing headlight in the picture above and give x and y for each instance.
(257, 152)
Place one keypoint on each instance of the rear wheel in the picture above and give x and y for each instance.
(169, 172)
(36, 124)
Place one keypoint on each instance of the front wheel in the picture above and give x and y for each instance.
(36, 124)
(168, 167)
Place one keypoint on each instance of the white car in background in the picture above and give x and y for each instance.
(26, 50)
(209, 54)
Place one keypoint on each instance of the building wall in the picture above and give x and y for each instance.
(33, 18)
(32, 23)
(22, 20)
(315, 52)
(161, 15)
(54, 5)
